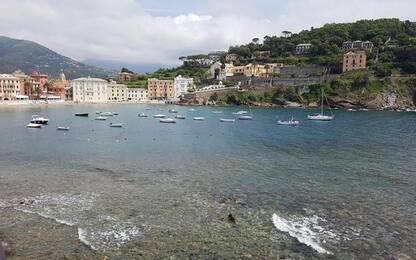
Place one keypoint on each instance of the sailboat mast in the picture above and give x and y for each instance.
(322, 102)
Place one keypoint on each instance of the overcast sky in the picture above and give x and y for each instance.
(159, 31)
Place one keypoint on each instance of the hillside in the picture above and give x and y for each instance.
(28, 56)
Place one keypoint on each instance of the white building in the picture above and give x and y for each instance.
(117, 92)
(182, 85)
(89, 90)
(137, 94)
(9, 87)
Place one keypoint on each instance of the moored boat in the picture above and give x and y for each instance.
(199, 118)
(167, 120)
(101, 118)
(217, 112)
(33, 125)
(39, 120)
(321, 116)
(227, 120)
(81, 114)
(159, 116)
(191, 110)
(106, 114)
(180, 117)
(242, 112)
(142, 115)
(173, 111)
(62, 128)
(116, 124)
(290, 122)
(245, 118)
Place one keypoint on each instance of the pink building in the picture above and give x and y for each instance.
(40, 78)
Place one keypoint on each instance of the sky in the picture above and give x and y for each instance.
(145, 33)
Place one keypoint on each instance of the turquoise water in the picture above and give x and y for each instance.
(322, 189)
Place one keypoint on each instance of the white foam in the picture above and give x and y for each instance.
(306, 230)
(60, 221)
(82, 236)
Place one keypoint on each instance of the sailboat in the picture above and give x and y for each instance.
(321, 116)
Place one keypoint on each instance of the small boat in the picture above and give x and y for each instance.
(81, 114)
(62, 128)
(34, 125)
(351, 110)
(101, 118)
(167, 120)
(143, 115)
(227, 120)
(159, 116)
(245, 118)
(116, 124)
(191, 110)
(98, 112)
(216, 112)
(39, 120)
(410, 109)
(148, 108)
(290, 122)
(172, 111)
(242, 112)
(199, 118)
(363, 109)
(321, 116)
(115, 113)
(106, 114)
(180, 117)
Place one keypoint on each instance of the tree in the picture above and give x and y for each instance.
(286, 34)
(255, 40)
(28, 86)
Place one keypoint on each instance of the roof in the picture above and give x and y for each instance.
(8, 76)
(90, 79)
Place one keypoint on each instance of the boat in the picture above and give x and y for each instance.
(351, 110)
(159, 116)
(290, 122)
(98, 112)
(167, 120)
(191, 110)
(81, 114)
(410, 109)
(34, 125)
(245, 118)
(199, 118)
(143, 115)
(106, 114)
(216, 112)
(62, 128)
(172, 111)
(180, 117)
(321, 116)
(116, 124)
(242, 112)
(148, 108)
(39, 120)
(115, 113)
(101, 118)
(227, 120)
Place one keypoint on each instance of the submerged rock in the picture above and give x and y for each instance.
(231, 218)
(227, 200)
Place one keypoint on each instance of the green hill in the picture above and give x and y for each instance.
(28, 56)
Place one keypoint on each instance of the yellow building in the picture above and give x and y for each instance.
(255, 70)
(354, 61)
(160, 89)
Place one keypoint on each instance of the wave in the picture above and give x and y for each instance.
(82, 236)
(306, 230)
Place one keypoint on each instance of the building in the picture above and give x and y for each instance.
(160, 89)
(216, 55)
(137, 94)
(231, 57)
(357, 45)
(354, 61)
(42, 79)
(9, 87)
(59, 87)
(303, 49)
(117, 92)
(220, 71)
(182, 85)
(28, 86)
(89, 90)
(126, 77)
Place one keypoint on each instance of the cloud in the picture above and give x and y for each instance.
(124, 30)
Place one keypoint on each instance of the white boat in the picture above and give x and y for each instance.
(62, 128)
(172, 111)
(199, 118)
(101, 118)
(159, 116)
(34, 125)
(290, 122)
(39, 120)
(363, 109)
(106, 114)
(191, 110)
(116, 124)
(321, 116)
(242, 112)
(98, 112)
(216, 112)
(351, 110)
(227, 120)
(143, 115)
(167, 120)
(410, 109)
(245, 118)
(180, 117)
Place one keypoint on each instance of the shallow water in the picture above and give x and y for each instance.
(342, 188)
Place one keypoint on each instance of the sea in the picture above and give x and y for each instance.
(344, 189)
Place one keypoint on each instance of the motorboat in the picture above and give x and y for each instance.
(242, 112)
(81, 114)
(167, 120)
(363, 109)
(245, 118)
(159, 116)
(180, 117)
(217, 112)
(410, 109)
(290, 122)
(351, 110)
(143, 115)
(101, 118)
(34, 125)
(62, 128)
(199, 118)
(227, 120)
(106, 114)
(321, 116)
(172, 111)
(39, 120)
(116, 124)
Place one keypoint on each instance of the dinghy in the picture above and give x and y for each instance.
(199, 118)
(227, 120)
(167, 120)
(34, 125)
(62, 128)
(116, 124)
